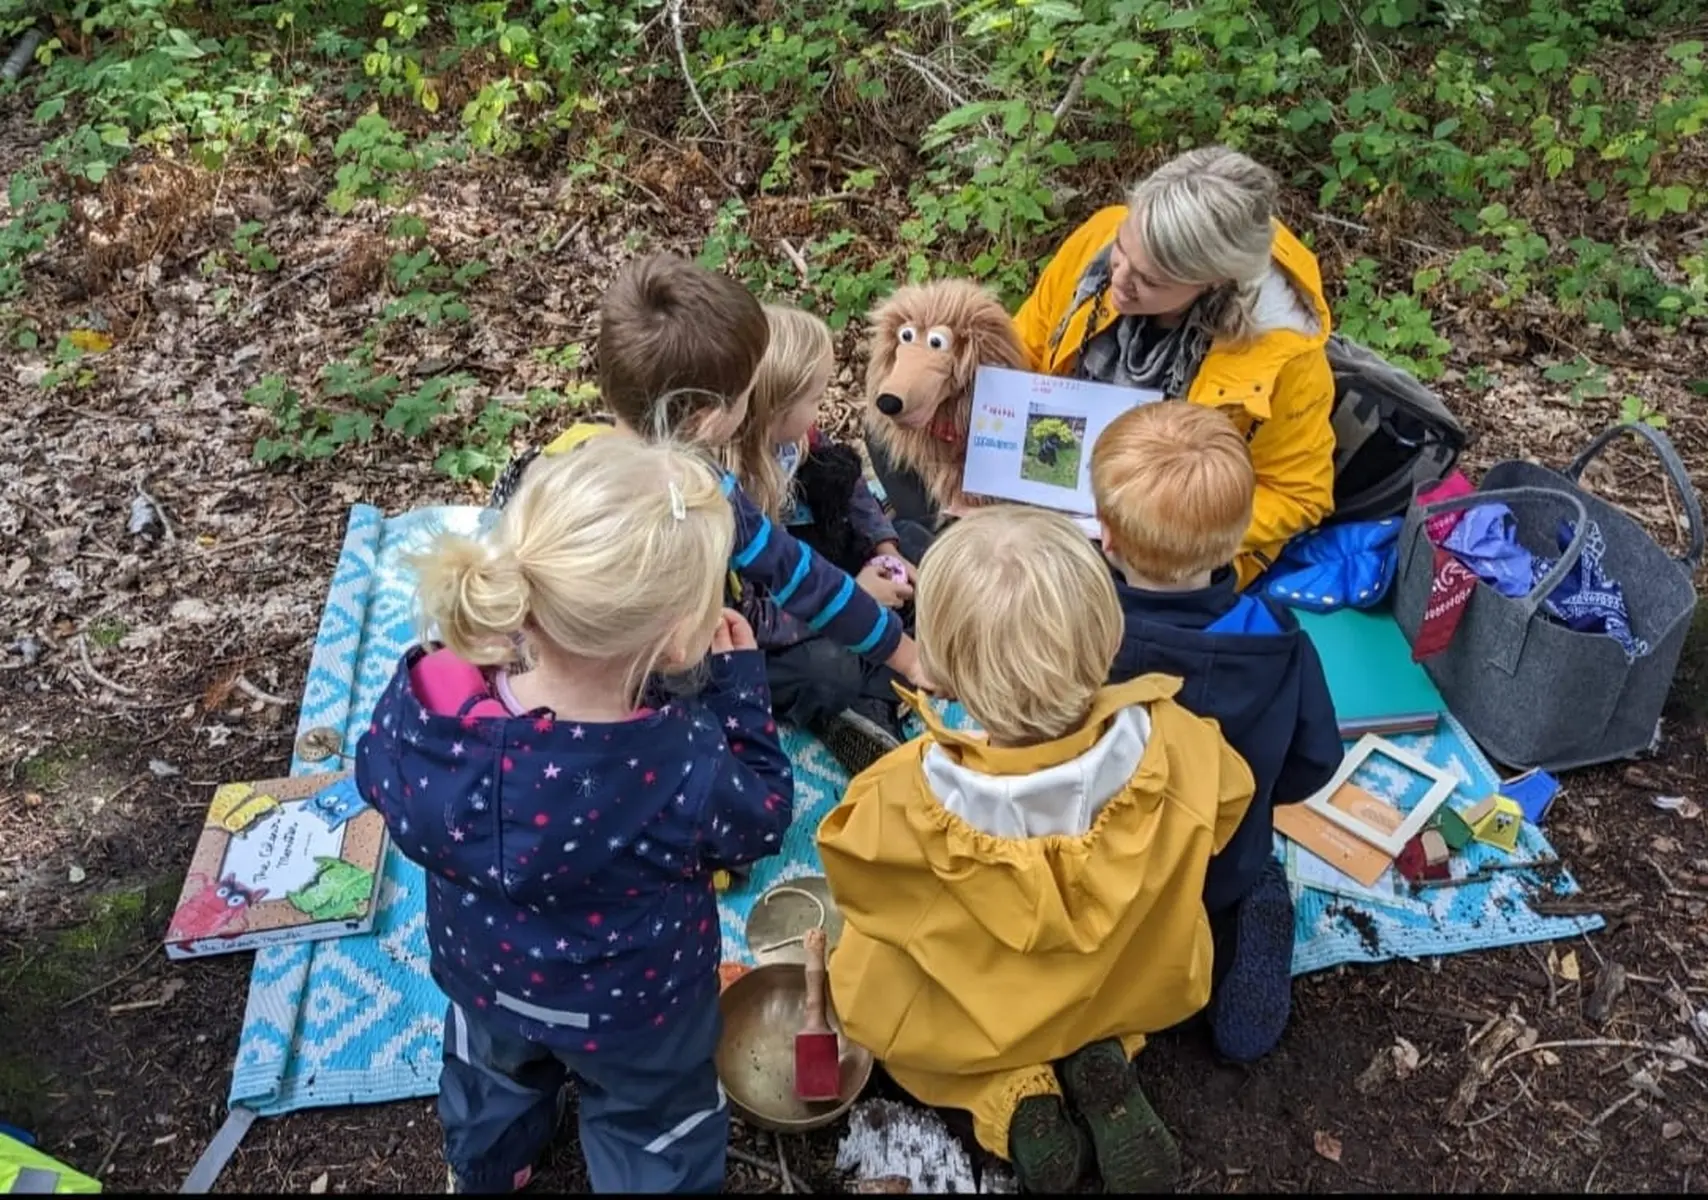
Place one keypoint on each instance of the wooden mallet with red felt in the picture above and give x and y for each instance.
(818, 1062)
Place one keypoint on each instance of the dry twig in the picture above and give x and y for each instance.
(1611, 1043)
(99, 988)
(83, 652)
(682, 61)
(243, 685)
(1077, 85)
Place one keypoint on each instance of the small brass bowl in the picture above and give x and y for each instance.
(762, 1013)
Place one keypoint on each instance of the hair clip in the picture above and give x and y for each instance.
(678, 505)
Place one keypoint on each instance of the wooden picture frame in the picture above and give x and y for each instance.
(1370, 745)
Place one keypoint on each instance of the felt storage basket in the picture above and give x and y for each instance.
(1533, 692)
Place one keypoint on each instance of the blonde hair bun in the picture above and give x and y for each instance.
(615, 551)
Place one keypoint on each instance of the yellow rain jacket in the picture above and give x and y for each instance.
(969, 963)
(1280, 380)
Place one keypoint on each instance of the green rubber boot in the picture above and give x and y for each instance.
(1045, 1146)
(1134, 1151)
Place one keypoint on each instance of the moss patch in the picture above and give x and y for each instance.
(50, 770)
(41, 976)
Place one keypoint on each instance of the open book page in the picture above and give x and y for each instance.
(1032, 435)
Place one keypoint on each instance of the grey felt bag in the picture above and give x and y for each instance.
(1533, 692)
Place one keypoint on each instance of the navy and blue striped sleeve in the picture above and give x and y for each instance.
(807, 586)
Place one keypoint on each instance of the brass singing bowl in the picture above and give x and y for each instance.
(762, 1013)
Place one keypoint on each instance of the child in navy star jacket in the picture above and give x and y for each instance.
(568, 829)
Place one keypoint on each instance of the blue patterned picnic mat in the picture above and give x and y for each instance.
(357, 1020)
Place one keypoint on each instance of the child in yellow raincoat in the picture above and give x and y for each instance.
(1022, 907)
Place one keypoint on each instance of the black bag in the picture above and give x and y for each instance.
(1392, 435)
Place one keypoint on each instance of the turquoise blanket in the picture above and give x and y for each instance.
(357, 1020)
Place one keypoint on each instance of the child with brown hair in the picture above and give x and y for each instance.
(678, 349)
(1174, 484)
(816, 489)
(1023, 906)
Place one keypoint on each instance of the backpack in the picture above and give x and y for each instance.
(1392, 435)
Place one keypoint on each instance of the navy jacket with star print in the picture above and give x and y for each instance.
(569, 865)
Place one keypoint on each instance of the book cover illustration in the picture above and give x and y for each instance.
(280, 860)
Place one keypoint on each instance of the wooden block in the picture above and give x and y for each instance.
(1498, 822)
(1453, 829)
(1411, 862)
(1435, 850)
(1479, 811)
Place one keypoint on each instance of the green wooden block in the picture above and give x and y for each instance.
(1452, 828)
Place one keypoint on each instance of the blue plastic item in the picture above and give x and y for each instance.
(1337, 566)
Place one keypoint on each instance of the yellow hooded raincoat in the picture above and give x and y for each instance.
(1280, 380)
(970, 963)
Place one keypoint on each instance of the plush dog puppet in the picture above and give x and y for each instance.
(928, 340)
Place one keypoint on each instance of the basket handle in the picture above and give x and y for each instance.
(1517, 619)
(1692, 557)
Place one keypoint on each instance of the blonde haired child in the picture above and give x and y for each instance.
(569, 828)
(678, 349)
(815, 489)
(1173, 484)
(1022, 906)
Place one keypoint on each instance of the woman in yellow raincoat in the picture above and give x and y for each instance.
(1194, 289)
(1023, 906)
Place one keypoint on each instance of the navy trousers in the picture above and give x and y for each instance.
(653, 1117)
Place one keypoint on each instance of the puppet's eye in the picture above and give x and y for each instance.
(907, 335)
(938, 339)
(222, 891)
(235, 900)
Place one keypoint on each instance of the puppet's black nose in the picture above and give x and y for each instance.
(889, 405)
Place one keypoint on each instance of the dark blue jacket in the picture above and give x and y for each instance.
(569, 885)
(1247, 664)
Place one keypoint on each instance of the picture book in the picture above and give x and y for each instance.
(1376, 686)
(1032, 435)
(281, 860)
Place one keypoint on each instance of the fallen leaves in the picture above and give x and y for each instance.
(1327, 1145)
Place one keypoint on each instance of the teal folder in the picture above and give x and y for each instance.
(1376, 686)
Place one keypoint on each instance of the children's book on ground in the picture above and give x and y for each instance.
(1376, 686)
(1032, 435)
(280, 860)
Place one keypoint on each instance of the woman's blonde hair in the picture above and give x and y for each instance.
(799, 342)
(1207, 218)
(615, 553)
(1018, 619)
(1173, 484)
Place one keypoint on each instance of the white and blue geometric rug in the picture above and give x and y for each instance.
(357, 1020)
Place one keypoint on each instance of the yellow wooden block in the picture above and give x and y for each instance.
(1495, 822)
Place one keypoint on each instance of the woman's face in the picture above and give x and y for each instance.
(1138, 289)
(795, 421)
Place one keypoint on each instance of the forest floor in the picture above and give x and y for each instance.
(143, 662)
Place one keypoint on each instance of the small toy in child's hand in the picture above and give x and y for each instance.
(891, 566)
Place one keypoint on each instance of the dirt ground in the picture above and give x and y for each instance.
(142, 662)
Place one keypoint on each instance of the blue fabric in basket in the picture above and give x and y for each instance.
(357, 1020)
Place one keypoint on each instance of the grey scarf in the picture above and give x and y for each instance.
(1120, 354)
